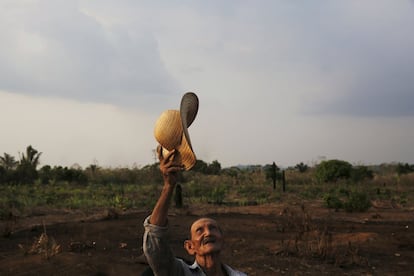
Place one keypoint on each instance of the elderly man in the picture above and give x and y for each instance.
(206, 239)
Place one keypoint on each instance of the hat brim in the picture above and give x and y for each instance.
(172, 134)
(184, 155)
(188, 112)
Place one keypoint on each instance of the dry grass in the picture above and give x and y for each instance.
(311, 239)
(44, 246)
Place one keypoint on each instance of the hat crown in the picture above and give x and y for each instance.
(168, 129)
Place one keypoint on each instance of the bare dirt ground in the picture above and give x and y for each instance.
(299, 239)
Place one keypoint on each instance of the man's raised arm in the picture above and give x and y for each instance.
(169, 172)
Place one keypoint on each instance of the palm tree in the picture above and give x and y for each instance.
(31, 159)
(26, 169)
(8, 162)
(8, 165)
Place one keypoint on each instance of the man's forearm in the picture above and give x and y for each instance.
(169, 171)
(160, 212)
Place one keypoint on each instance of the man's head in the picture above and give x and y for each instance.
(206, 238)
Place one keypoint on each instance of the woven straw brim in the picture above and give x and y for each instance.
(188, 158)
(184, 155)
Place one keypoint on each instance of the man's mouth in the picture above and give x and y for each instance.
(209, 240)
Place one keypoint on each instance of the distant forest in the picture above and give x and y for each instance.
(24, 170)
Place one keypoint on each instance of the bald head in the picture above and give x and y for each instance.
(206, 238)
(203, 222)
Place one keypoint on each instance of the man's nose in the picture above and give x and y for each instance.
(208, 232)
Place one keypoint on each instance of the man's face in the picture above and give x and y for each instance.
(206, 237)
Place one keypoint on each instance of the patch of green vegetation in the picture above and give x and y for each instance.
(311, 192)
(332, 201)
(339, 190)
(23, 198)
(357, 202)
(354, 201)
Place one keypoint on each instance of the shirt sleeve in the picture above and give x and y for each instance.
(233, 272)
(158, 251)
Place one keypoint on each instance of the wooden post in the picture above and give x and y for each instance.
(178, 196)
(274, 175)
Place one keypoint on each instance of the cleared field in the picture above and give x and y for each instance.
(302, 238)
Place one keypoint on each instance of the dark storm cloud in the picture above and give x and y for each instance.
(358, 55)
(51, 48)
(369, 54)
(386, 92)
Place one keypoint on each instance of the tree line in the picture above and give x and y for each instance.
(25, 170)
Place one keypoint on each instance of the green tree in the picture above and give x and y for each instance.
(301, 167)
(214, 168)
(26, 169)
(8, 162)
(200, 166)
(93, 172)
(45, 174)
(333, 170)
(8, 165)
(31, 158)
(404, 168)
(204, 168)
(232, 171)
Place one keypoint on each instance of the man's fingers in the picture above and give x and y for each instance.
(168, 163)
(159, 152)
(175, 169)
(172, 171)
(169, 157)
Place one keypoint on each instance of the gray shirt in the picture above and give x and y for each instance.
(161, 258)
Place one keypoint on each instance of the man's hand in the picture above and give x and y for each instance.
(168, 166)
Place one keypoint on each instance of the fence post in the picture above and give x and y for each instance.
(178, 196)
(274, 168)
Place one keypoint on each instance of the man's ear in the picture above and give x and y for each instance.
(188, 245)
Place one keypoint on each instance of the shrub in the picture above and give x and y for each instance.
(332, 201)
(301, 167)
(333, 170)
(360, 173)
(404, 168)
(357, 202)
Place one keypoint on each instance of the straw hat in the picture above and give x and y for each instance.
(171, 130)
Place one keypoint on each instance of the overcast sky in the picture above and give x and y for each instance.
(285, 81)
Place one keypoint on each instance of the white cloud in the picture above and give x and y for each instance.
(69, 132)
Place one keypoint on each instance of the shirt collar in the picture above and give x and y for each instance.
(196, 266)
